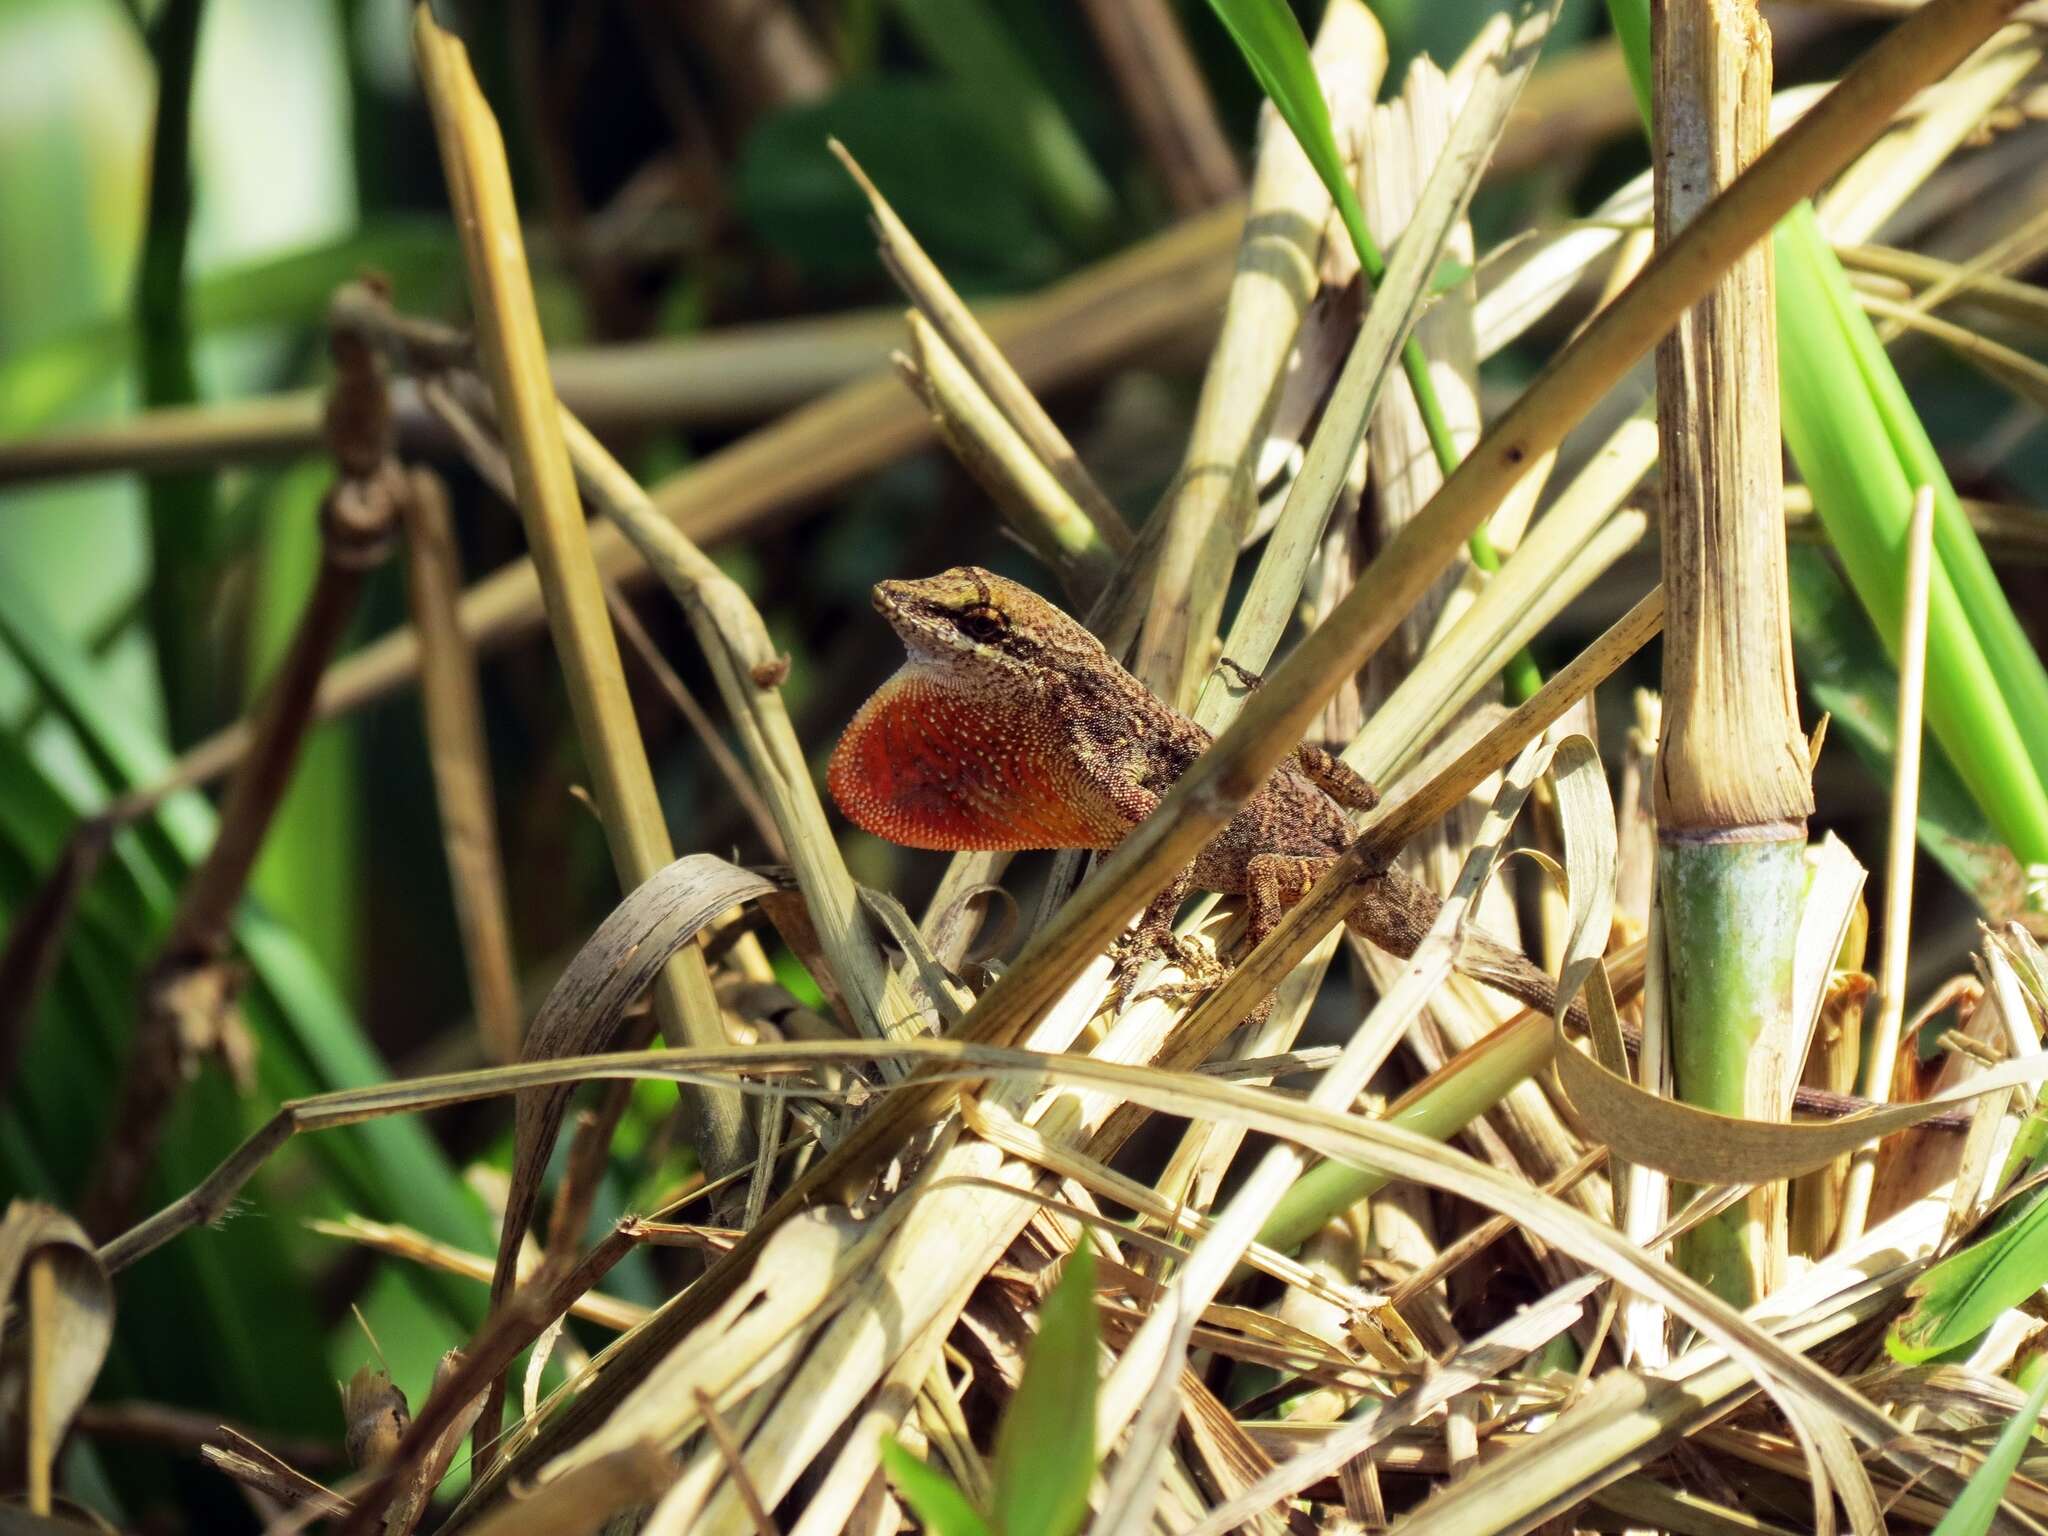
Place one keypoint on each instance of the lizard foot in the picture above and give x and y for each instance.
(1200, 969)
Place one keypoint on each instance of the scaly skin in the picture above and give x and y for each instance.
(1009, 727)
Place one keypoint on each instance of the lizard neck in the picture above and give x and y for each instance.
(931, 763)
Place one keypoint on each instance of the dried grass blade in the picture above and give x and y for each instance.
(1396, 304)
(926, 286)
(584, 1500)
(1037, 502)
(588, 1002)
(515, 357)
(415, 1247)
(1475, 1365)
(1583, 531)
(1210, 501)
(746, 665)
(1902, 845)
(461, 765)
(1141, 1386)
(52, 1281)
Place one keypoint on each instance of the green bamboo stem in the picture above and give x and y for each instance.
(1733, 788)
(1730, 912)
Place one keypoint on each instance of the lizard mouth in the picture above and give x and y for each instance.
(909, 615)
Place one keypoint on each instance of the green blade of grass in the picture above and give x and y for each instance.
(240, 1296)
(1045, 1450)
(1843, 440)
(1973, 1513)
(932, 1496)
(412, 1182)
(1971, 1289)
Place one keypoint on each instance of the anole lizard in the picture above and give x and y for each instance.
(1009, 726)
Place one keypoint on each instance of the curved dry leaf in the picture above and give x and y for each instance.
(68, 1335)
(1394, 1151)
(1701, 1147)
(585, 1007)
(1585, 813)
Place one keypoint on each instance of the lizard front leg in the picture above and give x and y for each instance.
(1332, 775)
(1273, 883)
(1336, 778)
(1154, 935)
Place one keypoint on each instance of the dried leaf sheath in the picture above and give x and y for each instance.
(1732, 754)
(1732, 790)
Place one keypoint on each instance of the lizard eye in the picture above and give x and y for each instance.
(983, 624)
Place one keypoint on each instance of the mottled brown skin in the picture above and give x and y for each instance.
(1010, 727)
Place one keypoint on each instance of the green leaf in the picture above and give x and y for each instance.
(922, 143)
(1843, 669)
(1270, 39)
(1631, 20)
(1845, 419)
(932, 1496)
(1863, 452)
(1972, 1514)
(1966, 1292)
(389, 1168)
(1003, 89)
(1045, 1449)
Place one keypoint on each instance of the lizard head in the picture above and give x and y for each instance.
(968, 745)
(975, 624)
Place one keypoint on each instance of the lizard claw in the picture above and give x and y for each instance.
(1135, 949)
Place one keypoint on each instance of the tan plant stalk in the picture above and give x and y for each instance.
(733, 376)
(515, 361)
(948, 315)
(1882, 1051)
(1038, 503)
(1732, 786)
(460, 763)
(188, 990)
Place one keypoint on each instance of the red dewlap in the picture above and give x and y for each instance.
(929, 766)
